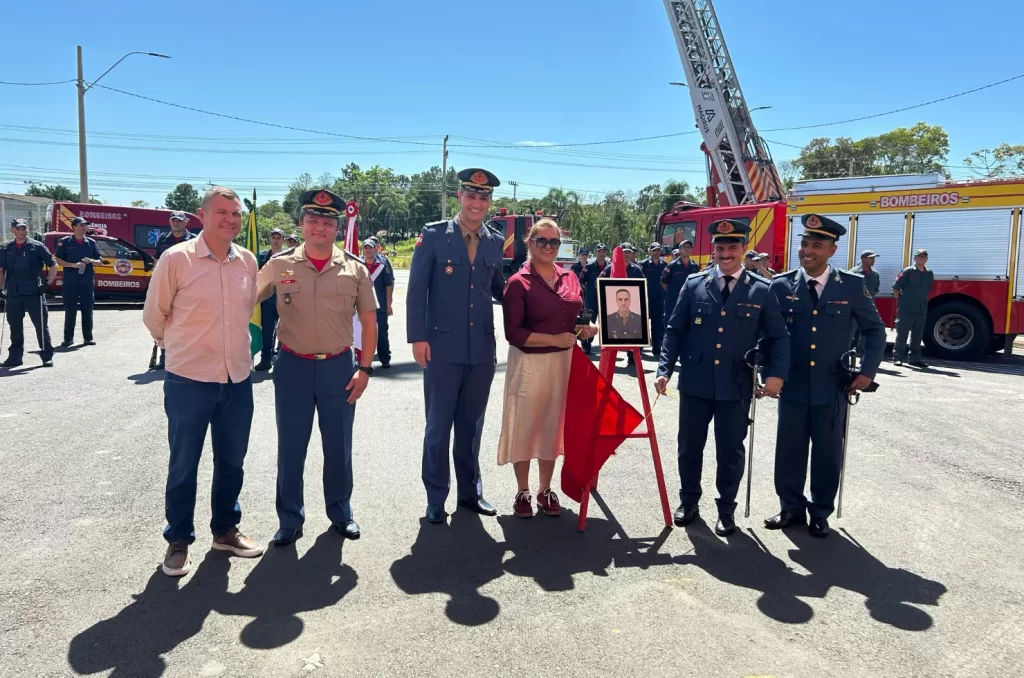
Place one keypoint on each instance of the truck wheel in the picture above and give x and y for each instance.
(957, 330)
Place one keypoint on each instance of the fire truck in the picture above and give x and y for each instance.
(141, 227)
(970, 229)
(513, 228)
(124, 274)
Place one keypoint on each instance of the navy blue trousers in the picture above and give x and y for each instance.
(268, 325)
(192, 407)
(456, 396)
(817, 430)
(383, 342)
(77, 297)
(16, 308)
(695, 414)
(300, 387)
(657, 314)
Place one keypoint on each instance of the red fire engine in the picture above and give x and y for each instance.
(139, 226)
(970, 229)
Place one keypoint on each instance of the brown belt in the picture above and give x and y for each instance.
(313, 356)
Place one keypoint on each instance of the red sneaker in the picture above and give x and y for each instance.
(547, 501)
(523, 506)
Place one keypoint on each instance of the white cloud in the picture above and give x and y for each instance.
(534, 143)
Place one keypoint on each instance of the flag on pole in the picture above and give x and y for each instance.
(352, 247)
(597, 420)
(252, 244)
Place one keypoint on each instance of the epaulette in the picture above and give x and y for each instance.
(853, 274)
(699, 274)
(759, 278)
(436, 223)
(785, 273)
(284, 252)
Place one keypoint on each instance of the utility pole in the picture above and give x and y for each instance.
(83, 173)
(444, 179)
(514, 185)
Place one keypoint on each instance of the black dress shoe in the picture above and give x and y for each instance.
(385, 366)
(349, 530)
(725, 525)
(818, 527)
(686, 514)
(90, 342)
(435, 513)
(286, 535)
(262, 366)
(65, 344)
(11, 362)
(785, 519)
(479, 505)
(918, 363)
(48, 362)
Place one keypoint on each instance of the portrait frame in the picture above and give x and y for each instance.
(607, 307)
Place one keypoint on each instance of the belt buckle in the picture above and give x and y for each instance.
(319, 356)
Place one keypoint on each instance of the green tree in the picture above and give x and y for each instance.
(999, 162)
(140, 203)
(183, 197)
(290, 203)
(904, 150)
(57, 192)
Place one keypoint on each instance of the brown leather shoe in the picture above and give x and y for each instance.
(523, 506)
(237, 543)
(547, 501)
(176, 562)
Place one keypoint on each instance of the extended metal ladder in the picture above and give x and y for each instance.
(740, 158)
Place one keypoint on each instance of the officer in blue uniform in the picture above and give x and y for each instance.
(720, 315)
(21, 281)
(383, 277)
(76, 254)
(653, 267)
(455, 272)
(592, 272)
(579, 269)
(822, 306)
(268, 307)
(675, 275)
(179, 233)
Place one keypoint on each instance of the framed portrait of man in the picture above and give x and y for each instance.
(622, 312)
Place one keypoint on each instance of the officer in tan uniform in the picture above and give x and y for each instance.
(319, 290)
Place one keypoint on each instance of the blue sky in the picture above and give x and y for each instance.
(553, 71)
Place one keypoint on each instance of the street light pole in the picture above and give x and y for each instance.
(83, 172)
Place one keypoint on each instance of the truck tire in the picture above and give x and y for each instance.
(957, 330)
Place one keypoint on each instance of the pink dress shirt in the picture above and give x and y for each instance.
(198, 309)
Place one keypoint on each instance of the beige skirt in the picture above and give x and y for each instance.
(535, 388)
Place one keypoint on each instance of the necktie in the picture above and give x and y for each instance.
(471, 243)
(725, 288)
(812, 287)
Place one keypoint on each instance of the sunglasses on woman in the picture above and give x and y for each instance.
(544, 243)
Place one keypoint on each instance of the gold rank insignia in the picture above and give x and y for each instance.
(697, 320)
(289, 273)
(449, 270)
(837, 277)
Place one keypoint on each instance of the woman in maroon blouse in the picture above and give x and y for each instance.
(541, 303)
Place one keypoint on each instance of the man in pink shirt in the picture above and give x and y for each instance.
(198, 304)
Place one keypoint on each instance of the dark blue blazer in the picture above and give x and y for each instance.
(821, 334)
(713, 338)
(448, 303)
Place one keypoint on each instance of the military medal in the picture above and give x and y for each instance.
(448, 269)
(793, 296)
(287, 298)
(697, 320)
(837, 277)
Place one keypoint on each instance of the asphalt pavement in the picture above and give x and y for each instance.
(921, 576)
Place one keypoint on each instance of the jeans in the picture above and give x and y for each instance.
(192, 407)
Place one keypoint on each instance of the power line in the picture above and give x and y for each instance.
(898, 110)
(35, 84)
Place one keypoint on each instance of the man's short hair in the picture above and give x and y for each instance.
(223, 191)
(623, 289)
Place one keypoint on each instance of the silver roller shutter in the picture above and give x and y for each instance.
(965, 243)
(796, 229)
(1019, 292)
(883, 233)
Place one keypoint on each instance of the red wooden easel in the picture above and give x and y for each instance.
(607, 368)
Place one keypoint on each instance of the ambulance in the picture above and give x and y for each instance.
(141, 227)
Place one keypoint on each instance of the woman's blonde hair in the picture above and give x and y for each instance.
(539, 226)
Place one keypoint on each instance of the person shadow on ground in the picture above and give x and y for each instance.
(455, 560)
(842, 562)
(168, 612)
(745, 562)
(282, 585)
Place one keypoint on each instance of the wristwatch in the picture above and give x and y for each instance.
(368, 370)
